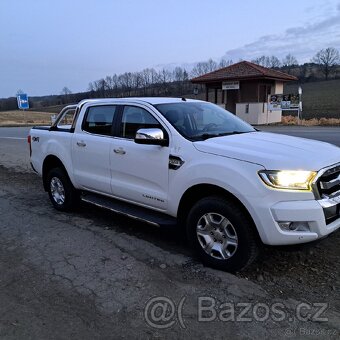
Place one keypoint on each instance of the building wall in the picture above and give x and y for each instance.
(252, 98)
(257, 113)
(249, 91)
(278, 89)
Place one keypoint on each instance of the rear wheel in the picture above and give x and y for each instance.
(62, 193)
(221, 233)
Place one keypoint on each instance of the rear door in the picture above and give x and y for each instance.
(91, 148)
(139, 173)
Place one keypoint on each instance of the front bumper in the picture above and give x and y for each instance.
(310, 212)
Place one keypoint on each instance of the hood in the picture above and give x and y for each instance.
(273, 151)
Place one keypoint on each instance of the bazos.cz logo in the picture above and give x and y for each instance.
(162, 312)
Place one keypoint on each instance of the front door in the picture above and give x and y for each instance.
(139, 173)
(232, 98)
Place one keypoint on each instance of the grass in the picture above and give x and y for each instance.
(17, 117)
(319, 99)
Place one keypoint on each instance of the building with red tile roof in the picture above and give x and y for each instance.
(244, 88)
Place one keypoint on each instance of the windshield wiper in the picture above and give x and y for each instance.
(205, 136)
(232, 133)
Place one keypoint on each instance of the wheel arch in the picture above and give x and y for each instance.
(50, 162)
(195, 193)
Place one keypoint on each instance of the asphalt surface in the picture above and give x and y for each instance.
(91, 274)
(322, 133)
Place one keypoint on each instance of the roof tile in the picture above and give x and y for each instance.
(243, 70)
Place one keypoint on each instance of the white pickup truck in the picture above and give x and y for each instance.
(190, 163)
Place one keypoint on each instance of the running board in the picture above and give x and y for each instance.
(133, 211)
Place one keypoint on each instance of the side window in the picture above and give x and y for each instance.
(135, 118)
(98, 119)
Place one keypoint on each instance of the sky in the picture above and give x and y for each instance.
(48, 44)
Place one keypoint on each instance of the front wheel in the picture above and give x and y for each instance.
(63, 195)
(221, 233)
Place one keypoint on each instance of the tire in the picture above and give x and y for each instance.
(221, 234)
(62, 193)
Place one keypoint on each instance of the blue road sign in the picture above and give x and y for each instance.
(22, 101)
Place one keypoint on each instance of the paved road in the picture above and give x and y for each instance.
(14, 149)
(326, 134)
(90, 274)
(323, 133)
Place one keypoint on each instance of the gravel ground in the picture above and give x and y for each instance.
(91, 274)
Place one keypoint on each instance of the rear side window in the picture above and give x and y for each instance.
(99, 119)
(135, 118)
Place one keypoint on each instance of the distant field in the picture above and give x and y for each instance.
(50, 109)
(18, 117)
(320, 99)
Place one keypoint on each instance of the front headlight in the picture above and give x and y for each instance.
(286, 179)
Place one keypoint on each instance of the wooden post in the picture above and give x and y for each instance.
(215, 96)
(206, 93)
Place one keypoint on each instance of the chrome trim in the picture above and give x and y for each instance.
(152, 133)
(330, 184)
(321, 172)
(61, 114)
(331, 201)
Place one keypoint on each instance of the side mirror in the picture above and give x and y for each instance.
(151, 136)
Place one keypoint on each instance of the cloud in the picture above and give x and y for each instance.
(301, 41)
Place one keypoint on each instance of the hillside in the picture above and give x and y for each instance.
(319, 99)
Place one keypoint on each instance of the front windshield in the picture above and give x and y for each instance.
(202, 120)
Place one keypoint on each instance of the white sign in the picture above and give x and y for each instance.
(230, 85)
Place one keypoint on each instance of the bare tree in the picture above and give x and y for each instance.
(288, 62)
(212, 65)
(327, 59)
(266, 61)
(109, 86)
(199, 69)
(224, 63)
(99, 87)
(204, 67)
(164, 76)
(137, 80)
(65, 91)
(274, 62)
(262, 61)
(178, 74)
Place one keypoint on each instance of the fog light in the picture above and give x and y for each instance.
(299, 226)
(285, 225)
(294, 226)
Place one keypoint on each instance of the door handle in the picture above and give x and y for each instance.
(119, 151)
(81, 143)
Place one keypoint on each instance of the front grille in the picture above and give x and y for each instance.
(329, 182)
(327, 186)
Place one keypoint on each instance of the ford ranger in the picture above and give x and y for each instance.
(191, 164)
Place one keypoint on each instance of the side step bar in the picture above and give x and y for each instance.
(133, 211)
